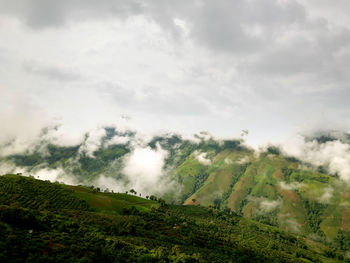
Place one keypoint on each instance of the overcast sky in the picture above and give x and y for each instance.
(271, 67)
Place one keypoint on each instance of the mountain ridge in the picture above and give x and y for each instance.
(268, 186)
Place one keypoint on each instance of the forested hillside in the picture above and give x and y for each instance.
(267, 186)
(91, 226)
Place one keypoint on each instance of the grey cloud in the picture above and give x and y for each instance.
(335, 99)
(333, 155)
(285, 62)
(153, 99)
(50, 72)
(43, 13)
(229, 25)
(236, 63)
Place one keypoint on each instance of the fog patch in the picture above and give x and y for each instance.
(118, 140)
(291, 186)
(144, 169)
(243, 160)
(202, 158)
(15, 146)
(269, 206)
(10, 168)
(333, 155)
(92, 141)
(110, 183)
(54, 175)
(327, 195)
(203, 136)
(265, 205)
(62, 135)
(290, 223)
(228, 161)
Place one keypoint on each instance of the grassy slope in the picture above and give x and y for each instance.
(266, 179)
(112, 202)
(223, 171)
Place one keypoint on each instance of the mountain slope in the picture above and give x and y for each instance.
(267, 186)
(274, 190)
(149, 231)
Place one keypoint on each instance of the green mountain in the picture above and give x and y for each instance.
(267, 187)
(51, 222)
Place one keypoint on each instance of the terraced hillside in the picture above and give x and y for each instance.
(274, 190)
(123, 228)
(267, 186)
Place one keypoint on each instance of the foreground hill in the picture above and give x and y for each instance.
(50, 222)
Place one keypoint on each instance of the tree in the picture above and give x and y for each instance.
(217, 202)
(153, 197)
(161, 202)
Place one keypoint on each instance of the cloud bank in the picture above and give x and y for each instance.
(268, 66)
(333, 155)
(144, 168)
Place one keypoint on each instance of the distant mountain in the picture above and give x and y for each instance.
(267, 187)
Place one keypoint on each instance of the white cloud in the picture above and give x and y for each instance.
(291, 223)
(291, 186)
(202, 158)
(53, 175)
(110, 183)
(118, 140)
(334, 155)
(265, 205)
(270, 205)
(327, 195)
(144, 169)
(93, 141)
(228, 161)
(166, 63)
(243, 160)
(10, 168)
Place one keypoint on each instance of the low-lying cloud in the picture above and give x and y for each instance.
(290, 186)
(266, 205)
(333, 155)
(290, 223)
(270, 205)
(327, 195)
(202, 158)
(144, 169)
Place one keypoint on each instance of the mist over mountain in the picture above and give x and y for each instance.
(235, 110)
(119, 149)
(301, 185)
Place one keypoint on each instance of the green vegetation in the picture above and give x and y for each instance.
(126, 228)
(36, 194)
(268, 187)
